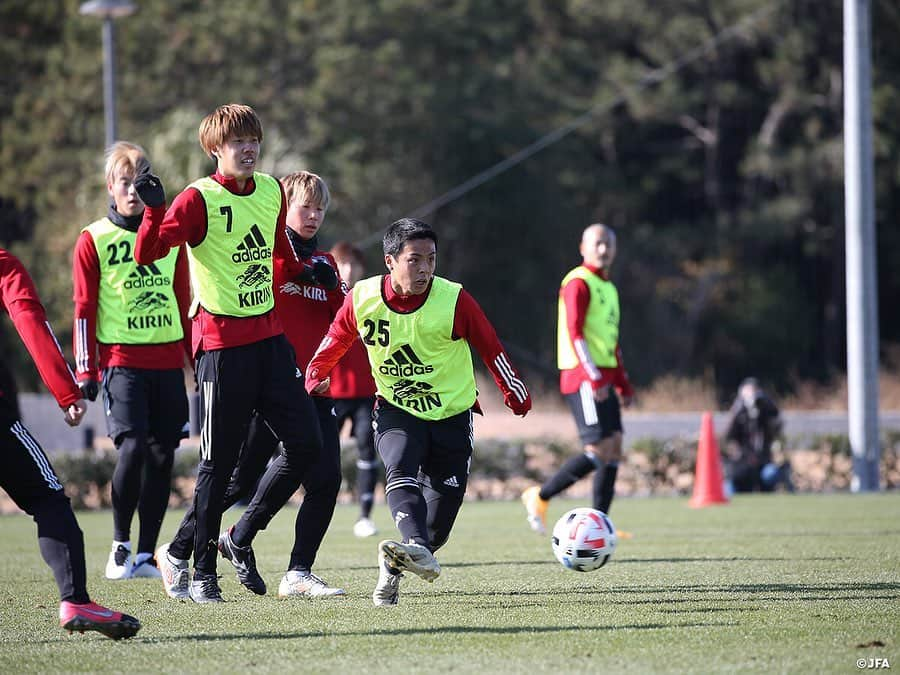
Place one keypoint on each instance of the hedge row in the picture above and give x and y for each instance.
(502, 469)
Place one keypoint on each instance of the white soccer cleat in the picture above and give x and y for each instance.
(176, 577)
(204, 589)
(145, 567)
(118, 565)
(365, 527)
(307, 585)
(411, 557)
(387, 590)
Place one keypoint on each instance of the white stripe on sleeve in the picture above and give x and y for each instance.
(584, 355)
(501, 363)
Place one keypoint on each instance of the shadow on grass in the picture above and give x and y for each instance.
(693, 593)
(695, 597)
(458, 630)
(736, 558)
(706, 610)
(550, 562)
(783, 588)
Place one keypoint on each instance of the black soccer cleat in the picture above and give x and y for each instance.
(244, 563)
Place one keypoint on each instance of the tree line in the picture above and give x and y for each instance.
(709, 134)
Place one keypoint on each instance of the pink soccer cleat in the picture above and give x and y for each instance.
(91, 616)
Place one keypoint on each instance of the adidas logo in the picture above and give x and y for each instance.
(400, 516)
(252, 248)
(404, 363)
(144, 276)
(452, 482)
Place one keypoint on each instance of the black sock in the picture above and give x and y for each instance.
(605, 487)
(126, 482)
(408, 508)
(154, 494)
(574, 468)
(365, 483)
(62, 546)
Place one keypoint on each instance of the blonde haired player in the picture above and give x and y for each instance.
(131, 326)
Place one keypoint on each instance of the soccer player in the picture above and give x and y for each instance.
(27, 475)
(232, 221)
(308, 294)
(353, 391)
(417, 329)
(137, 314)
(590, 362)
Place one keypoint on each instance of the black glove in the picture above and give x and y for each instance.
(89, 389)
(150, 189)
(319, 273)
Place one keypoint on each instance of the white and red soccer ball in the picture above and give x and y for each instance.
(584, 539)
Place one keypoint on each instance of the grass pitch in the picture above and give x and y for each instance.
(768, 583)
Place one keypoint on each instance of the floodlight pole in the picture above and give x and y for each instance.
(109, 10)
(859, 211)
(109, 81)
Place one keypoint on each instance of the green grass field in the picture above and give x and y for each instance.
(768, 583)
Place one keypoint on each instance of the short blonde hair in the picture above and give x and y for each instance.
(308, 187)
(228, 121)
(124, 158)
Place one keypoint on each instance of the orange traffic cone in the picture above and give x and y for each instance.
(708, 475)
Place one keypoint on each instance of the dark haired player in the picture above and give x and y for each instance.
(417, 329)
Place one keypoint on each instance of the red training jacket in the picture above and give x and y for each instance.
(19, 298)
(305, 310)
(352, 376)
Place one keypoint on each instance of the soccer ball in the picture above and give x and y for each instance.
(584, 539)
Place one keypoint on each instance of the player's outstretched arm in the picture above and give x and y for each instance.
(471, 324)
(339, 338)
(19, 296)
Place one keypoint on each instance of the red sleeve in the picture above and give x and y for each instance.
(577, 296)
(20, 298)
(620, 379)
(162, 230)
(471, 325)
(340, 337)
(283, 248)
(337, 295)
(182, 287)
(86, 284)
